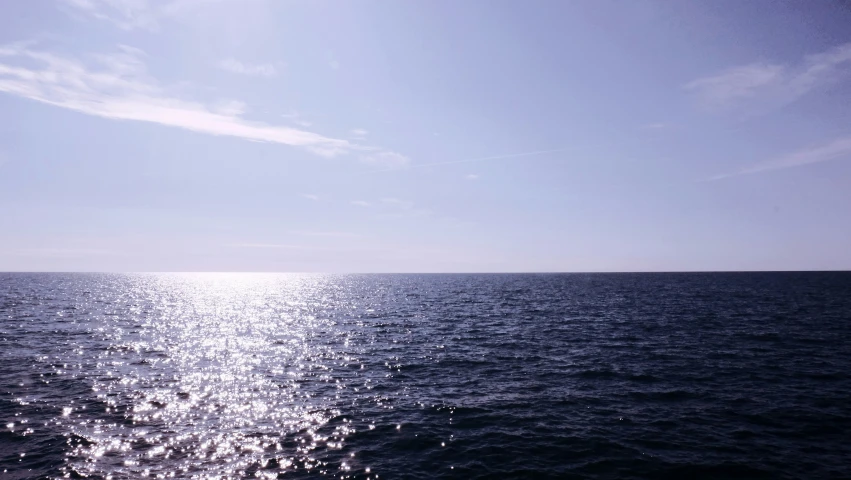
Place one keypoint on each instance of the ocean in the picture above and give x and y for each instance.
(569, 376)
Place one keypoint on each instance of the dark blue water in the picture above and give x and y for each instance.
(739, 375)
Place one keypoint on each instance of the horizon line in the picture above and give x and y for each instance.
(542, 272)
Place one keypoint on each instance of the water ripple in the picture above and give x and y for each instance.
(425, 376)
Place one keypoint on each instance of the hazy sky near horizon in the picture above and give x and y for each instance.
(424, 136)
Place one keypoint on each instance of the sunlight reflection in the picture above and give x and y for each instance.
(212, 373)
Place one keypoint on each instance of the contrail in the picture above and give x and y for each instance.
(480, 159)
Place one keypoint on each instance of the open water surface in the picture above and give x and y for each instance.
(715, 375)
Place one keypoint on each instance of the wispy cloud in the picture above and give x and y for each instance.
(398, 208)
(361, 203)
(286, 246)
(117, 86)
(297, 119)
(346, 247)
(310, 196)
(130, 14)
(838, 148)
(231, 108)
(358, 133)
(397, 203)
(656, 126)
(62, 252)
(472, 176)
(125, 14)
(737, 83)
(385, 159)
(331, 234)
(762, 85)
(479, 159)
(252, 70)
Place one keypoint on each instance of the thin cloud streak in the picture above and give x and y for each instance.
(480, 159)
(386, 159)
(762, 85)
(295, 117)
(838, 148)
(259, 70)
(121, 89)
(286, 246)
(62, 252)
(131, 14)
(296, 247)
(308, 233)
(124, 14)
(397, 203)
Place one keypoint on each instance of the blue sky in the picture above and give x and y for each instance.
(430, 136)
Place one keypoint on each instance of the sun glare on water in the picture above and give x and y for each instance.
(214, 375)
